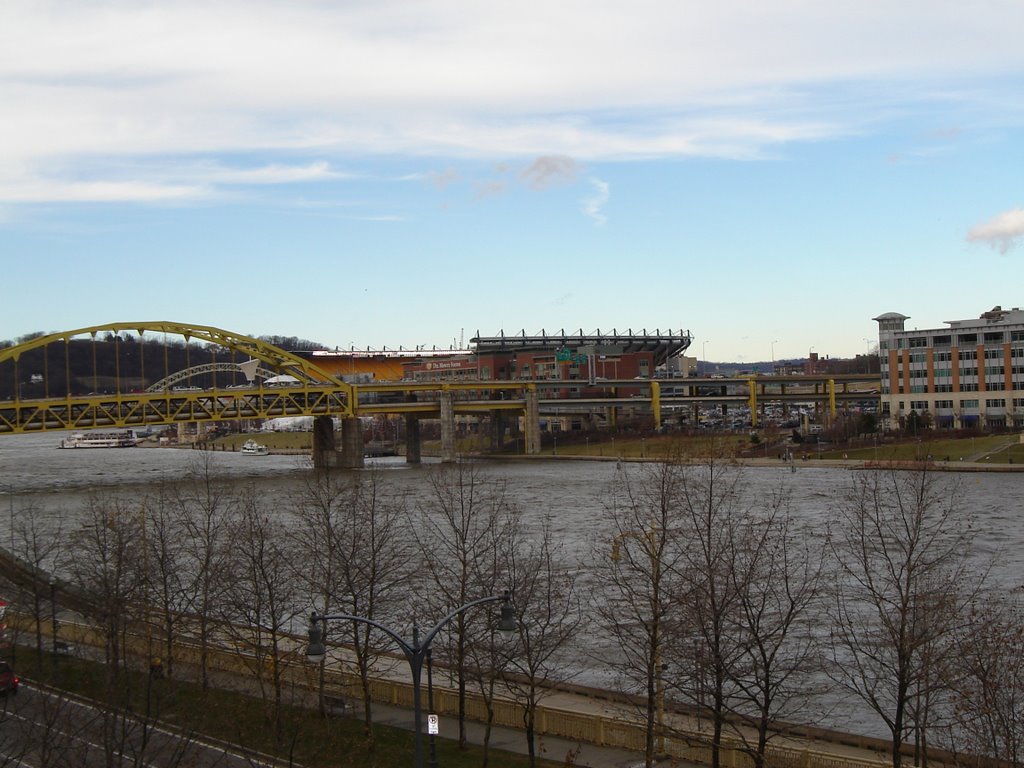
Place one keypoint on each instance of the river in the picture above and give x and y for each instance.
(55, 485)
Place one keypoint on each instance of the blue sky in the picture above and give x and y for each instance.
(768, 176)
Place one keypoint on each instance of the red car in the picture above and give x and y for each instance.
(8, 680)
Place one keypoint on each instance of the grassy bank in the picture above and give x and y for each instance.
(994, 449)
(296, 733)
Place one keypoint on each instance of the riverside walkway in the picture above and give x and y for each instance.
(576, 725)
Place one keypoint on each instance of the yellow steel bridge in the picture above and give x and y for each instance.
(132, 386)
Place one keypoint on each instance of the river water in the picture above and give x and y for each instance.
(55, 485)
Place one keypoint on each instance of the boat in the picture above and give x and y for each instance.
(124, 439)
(252, 448)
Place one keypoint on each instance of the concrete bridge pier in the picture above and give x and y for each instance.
(496, 427)
(532, 423)
(412, 439)
(325, 455)
(447, 426)
(351, 454)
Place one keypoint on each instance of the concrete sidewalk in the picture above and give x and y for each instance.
(557, 750)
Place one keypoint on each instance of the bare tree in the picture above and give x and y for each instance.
(455, 531)
(988, 699)
(39, 546)
(166, 570)
(777, 576)
(642, 560)
(319, 507)
(106, 563)
(711, 505)
(548, 608)
(204, 506)
(901, 547)
(351, 531)
(261, 602)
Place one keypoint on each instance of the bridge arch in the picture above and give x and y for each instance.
(251, 373)
(276, 358)
(46, 383)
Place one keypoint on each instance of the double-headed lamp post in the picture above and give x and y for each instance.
(414, 652)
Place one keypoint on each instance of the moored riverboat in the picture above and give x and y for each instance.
(252, 448)
(122, 439)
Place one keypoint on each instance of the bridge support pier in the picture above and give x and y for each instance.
(496, 426)
(412, 439)
(351, 454)
(325, 455)
(447, 426)
(532, 422)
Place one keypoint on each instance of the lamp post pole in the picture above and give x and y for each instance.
(773, 356)
(10, 509)
(53, 623)
(414, 652)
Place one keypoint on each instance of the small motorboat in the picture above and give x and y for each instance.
(252, 448)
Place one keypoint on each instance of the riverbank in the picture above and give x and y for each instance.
(794, 465)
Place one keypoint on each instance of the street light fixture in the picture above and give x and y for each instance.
(867, 356)
(53, 623)
(414, 652)
(774, 342)
(10, 509)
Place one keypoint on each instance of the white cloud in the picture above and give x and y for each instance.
(593, 206)
(1002, 231)
(267, 174)
(588, 79)
(147, 182)
(39, 191)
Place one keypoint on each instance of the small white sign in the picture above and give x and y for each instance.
(432, 725)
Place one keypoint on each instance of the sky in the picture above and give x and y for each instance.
(767, 176)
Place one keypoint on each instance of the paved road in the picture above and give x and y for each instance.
(43, 729)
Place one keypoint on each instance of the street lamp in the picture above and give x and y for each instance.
(10, 509)
(53, 621)
(414, 652)
(774, 341)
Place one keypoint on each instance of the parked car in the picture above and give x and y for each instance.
(8, 680)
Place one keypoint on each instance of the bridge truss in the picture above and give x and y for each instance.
(307, 390)
(47, 358)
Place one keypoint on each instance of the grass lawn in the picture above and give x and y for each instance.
(297, 733)
(969, 448)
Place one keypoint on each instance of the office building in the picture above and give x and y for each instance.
(970, 374)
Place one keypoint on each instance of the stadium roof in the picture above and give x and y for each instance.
(664, 345)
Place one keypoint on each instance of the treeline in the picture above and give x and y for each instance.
(696, 592)
(119, 363)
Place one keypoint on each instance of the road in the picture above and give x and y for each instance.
(40, 728)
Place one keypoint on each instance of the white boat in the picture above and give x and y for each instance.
(252, 448)
(125, 439)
